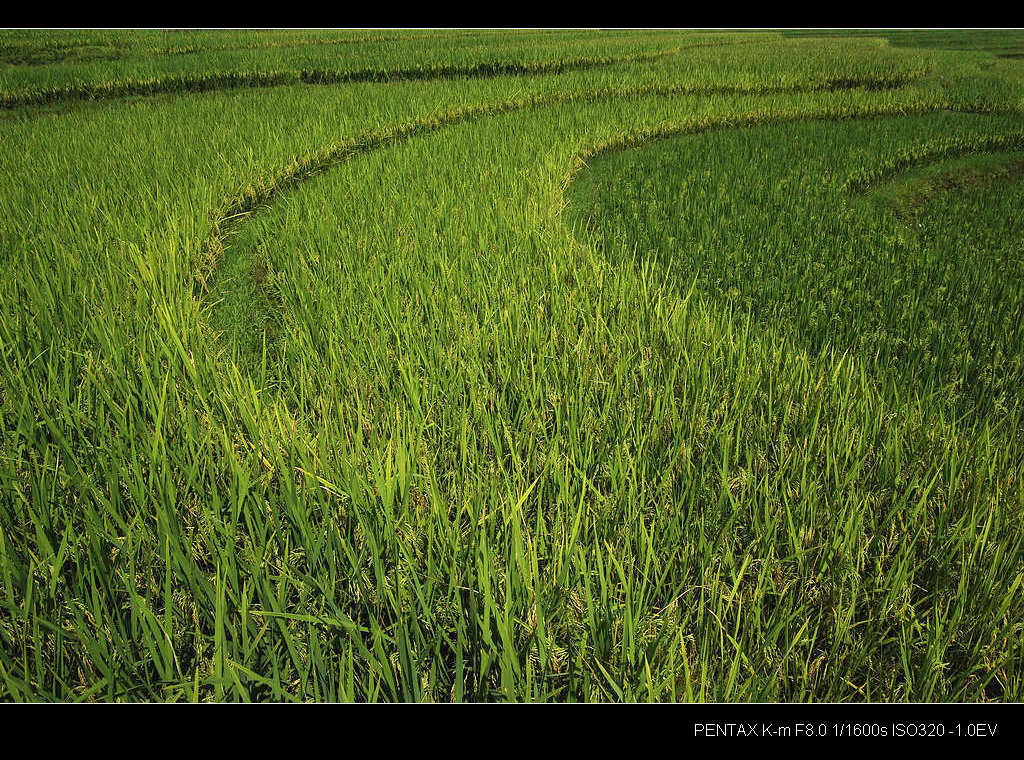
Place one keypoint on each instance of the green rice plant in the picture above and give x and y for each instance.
(680, 377)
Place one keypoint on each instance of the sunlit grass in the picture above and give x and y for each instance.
(665, 379)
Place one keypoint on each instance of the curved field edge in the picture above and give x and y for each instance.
(930, 152)
(237, 210)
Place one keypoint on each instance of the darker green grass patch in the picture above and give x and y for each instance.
(1007, 43)
(759, 219)
(910, 192)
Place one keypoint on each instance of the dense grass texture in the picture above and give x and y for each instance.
(510, 366)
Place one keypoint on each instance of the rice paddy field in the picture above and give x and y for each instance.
(467, 365)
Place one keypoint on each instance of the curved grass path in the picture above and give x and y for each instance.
(236, 211)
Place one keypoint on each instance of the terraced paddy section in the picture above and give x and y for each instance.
(398, 58)
(708, 59)
(690, 377)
